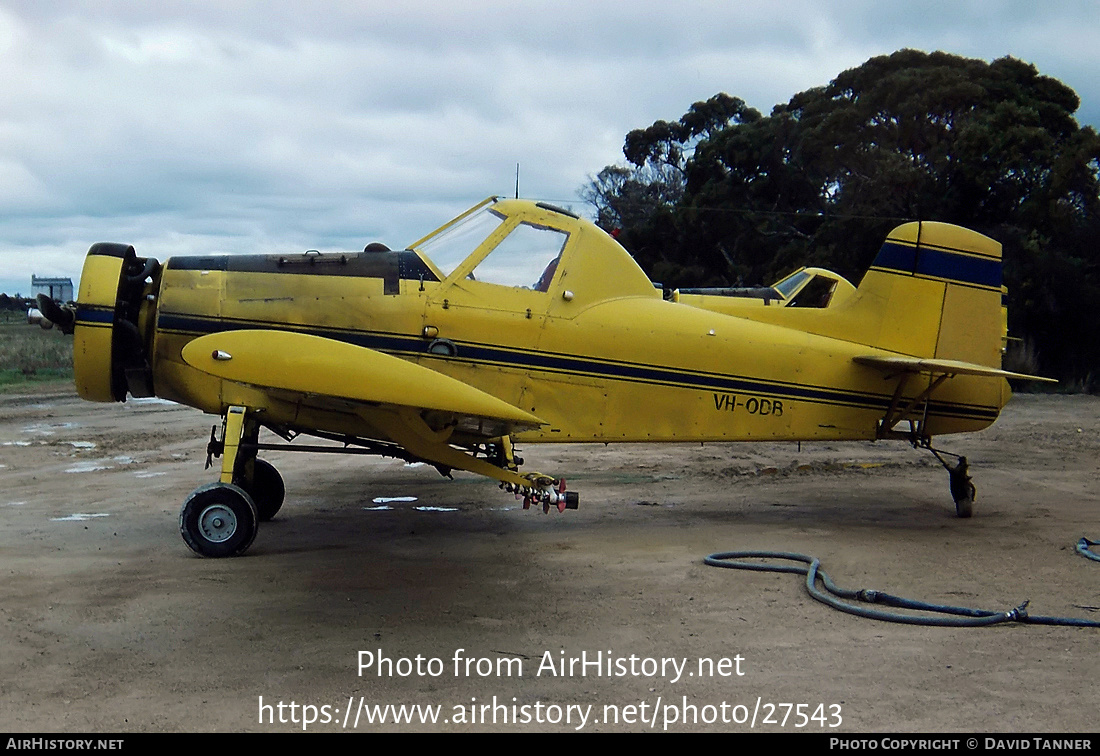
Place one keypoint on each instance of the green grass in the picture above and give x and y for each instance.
(12, 316)
(29, 354)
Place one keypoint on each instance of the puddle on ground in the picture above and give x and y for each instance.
(89, 466)
(48, 429)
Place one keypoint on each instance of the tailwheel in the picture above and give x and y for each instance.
(218, 520)
(265, 487)
(962, 488)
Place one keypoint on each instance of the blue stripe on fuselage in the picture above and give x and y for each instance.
(574, 365)
(87, 314)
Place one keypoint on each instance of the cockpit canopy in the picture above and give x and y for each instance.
(815, 288)
(522, 254)
(531, 246)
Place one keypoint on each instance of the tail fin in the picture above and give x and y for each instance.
(934, 291)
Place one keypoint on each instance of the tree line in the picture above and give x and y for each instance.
(16, 303)
(726, 196)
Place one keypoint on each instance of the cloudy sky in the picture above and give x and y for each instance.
(283, 125)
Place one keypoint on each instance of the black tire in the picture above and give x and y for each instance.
(266, 489)
(962, 489)
(218, 520)
(964, 505)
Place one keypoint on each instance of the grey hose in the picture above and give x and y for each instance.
(961, 616)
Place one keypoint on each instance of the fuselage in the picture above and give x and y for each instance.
(629, 369)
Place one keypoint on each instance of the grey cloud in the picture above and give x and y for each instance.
(253, 126)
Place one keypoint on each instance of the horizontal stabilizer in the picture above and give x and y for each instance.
(313, 365)
(939, 367)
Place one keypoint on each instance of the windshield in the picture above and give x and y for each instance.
(454, 244)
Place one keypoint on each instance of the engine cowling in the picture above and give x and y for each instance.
(110, 348)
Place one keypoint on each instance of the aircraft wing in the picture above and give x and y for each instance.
(948, 367)
(321, 367)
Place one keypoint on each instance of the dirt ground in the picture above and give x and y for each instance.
(108, 622)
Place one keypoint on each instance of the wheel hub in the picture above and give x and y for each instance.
(217, 523)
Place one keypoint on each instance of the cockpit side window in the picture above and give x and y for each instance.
(527, 258)
(452, 245)
(817, 293)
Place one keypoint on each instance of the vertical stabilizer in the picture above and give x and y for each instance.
(934, 290)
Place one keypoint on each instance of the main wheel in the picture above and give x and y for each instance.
(218, 520)
(266, 488)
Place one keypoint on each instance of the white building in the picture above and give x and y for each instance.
(60, 289)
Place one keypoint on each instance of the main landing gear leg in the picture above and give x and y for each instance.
(256, 477)
(220, 519)
(962, 489)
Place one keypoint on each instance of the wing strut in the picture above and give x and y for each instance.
(902, 410)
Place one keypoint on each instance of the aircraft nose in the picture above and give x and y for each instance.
(109, 350)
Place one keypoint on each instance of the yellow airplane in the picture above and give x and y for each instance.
(519, 322)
